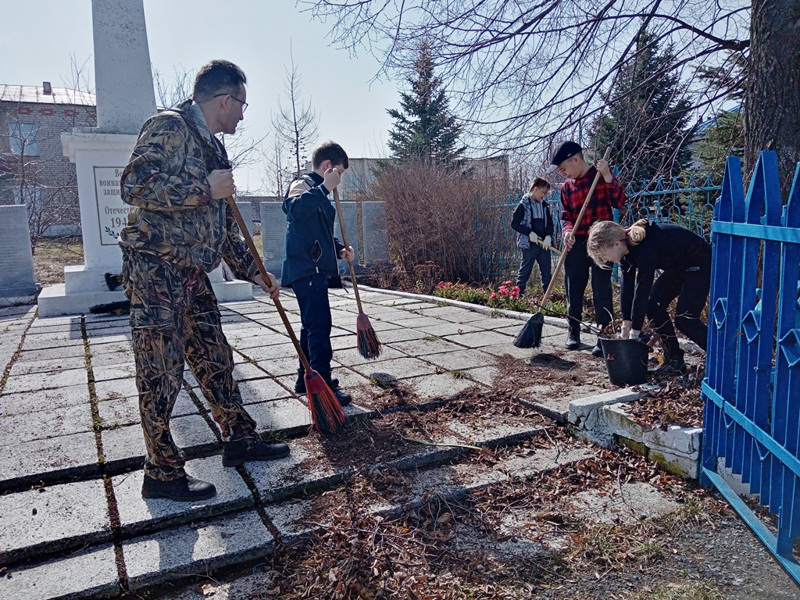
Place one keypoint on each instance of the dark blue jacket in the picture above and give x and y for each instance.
(310, 247)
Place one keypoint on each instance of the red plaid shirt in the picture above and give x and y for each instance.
(606, 196)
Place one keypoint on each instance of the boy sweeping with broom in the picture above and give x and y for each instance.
(309, 258)
(568, 161)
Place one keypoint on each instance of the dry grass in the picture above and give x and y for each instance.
(51, 256)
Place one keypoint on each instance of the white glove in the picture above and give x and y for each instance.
(547, 242)
(625, 330)
(533, 237)
(634, 334)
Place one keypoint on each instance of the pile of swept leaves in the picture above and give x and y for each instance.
(676, 402)
(465, 548)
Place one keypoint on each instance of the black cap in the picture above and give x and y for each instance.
(562, 153)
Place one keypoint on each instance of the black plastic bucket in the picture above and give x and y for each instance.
(626, 361)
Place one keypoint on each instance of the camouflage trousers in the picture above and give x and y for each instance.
(175, 318)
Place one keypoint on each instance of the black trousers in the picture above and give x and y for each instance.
(691, 289)
(577, 267)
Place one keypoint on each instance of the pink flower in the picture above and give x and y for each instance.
(493, 296)
(515, 289)
(507, 282)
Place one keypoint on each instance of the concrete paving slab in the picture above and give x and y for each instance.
(43, 399)
(351, 357)
(88, 573)
(452, 331)
(45, 424)
(111, 372)
(271, 352)
(481, 339)
(42, 327)
(481, 430)
(27, 367)
(427, 345)
(196, 548)
(287, 413)
(46, 380)
(97, 348)
(428, 387)
(120, 357)
(110, 337)
(41, 521)
(296, 519)
(263, 390)
(460, 359)
(59, 339)
(102, 321)
(415, 321)
(55, 458)
(627, 504)
(53, 353)
(398, 334)
(277, 367)
(307, 467)
(138, 514)
(116, 388)
(248, 371)
(483, 375)
(402, 368)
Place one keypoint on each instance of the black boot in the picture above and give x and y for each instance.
(341, 396)
(300, 384)
(598, 349)
(573, 338)
(237, 452)
(182, 489)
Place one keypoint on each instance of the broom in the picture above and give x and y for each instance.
(326, 412)
(531, 334)
(368, 344)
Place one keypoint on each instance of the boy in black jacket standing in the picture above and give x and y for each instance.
(534, 226)
(309, 258)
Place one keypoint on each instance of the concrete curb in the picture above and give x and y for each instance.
(602, 420)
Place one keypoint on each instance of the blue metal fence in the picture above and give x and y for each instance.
(686, 201)
(752, 386)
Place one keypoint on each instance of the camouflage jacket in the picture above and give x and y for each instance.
(173, 215)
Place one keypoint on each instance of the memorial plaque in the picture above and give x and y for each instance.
(17, 276)
(112, 213)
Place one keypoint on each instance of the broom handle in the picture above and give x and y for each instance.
(346, 245)
(263, 271)
(564, 252)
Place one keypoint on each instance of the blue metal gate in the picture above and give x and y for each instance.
(752, 385)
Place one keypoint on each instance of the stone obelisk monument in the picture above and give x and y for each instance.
(125, 99)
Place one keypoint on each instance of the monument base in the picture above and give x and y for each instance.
(85, 288)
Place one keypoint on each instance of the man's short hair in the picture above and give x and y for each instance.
(217, 77)
(540, 183)
(329, 150)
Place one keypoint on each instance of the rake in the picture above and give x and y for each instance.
(326, 412)
(368, 344)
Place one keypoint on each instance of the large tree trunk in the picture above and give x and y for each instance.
(772, 97)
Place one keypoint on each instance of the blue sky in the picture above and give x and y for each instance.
(39, 37)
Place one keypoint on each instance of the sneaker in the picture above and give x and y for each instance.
(237, 452)
(183, 489)
(573, 340)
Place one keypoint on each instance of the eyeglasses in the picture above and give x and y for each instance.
(242, 102)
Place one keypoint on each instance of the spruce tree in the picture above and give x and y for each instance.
(424, 129)
(646, 126)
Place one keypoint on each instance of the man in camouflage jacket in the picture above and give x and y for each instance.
(179, 229)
